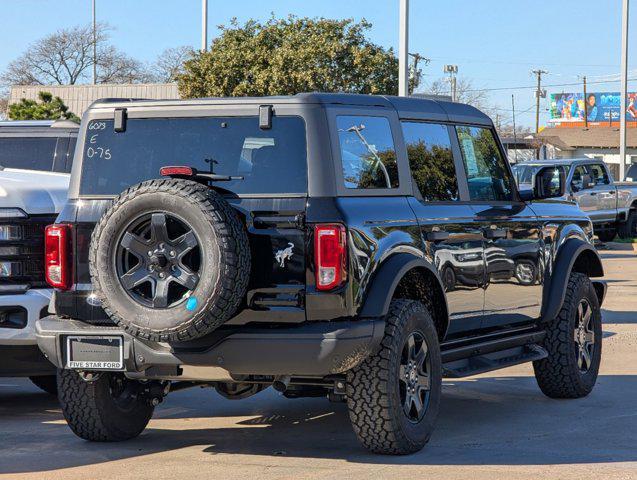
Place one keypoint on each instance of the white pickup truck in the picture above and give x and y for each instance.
(35, 158)
(611, 206)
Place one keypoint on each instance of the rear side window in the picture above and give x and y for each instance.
(488, 177)
(431, 160)
(367, 152)
(598, 174)
(31, 153)
(269, 160)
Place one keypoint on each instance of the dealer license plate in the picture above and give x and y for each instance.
(95, 352)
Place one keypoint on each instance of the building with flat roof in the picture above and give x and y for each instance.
(79, 97)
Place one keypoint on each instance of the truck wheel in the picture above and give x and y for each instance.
(170, 260)
(108, 409)
(606, 235)
(393, 396)
(574, 343)
(628, 229)
(46, 383)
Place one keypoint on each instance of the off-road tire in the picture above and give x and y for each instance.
(225, 260)
(558, 375)
(373, 397)
(606, 235)
(628, 229)
(92, 413)
(46, 383)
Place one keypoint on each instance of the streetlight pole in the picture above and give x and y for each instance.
(403, 49)
(94, 46)
(204, 25)
(452, 70)
(624, 90)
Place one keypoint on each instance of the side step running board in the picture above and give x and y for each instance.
(487, 362)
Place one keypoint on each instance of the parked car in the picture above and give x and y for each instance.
(612, 206)
(33, 157)
(292, 242)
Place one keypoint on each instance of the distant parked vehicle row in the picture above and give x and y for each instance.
(35, 158)
(611, 206)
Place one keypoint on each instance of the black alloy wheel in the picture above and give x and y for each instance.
(414, 377)
(158, 260)
(584, 336)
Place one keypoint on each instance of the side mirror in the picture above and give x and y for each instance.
(548, 182)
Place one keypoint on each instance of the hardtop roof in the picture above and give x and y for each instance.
(407, 107)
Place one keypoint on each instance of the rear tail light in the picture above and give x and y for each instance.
(330, 250)
(57, 261)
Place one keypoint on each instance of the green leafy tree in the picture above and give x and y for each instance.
(291, 55)
(48, 108)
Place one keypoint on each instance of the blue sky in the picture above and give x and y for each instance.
(495, 43)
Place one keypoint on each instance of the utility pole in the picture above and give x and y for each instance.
(624, 90)
(585, 105)
(414, 74)
(452, 70)
(94, 46)
(515, 136)
(204, 25)
(403, 49)
(539, 93)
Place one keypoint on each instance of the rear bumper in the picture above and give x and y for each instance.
(314, 349)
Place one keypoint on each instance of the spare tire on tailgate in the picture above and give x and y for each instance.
(170, 260)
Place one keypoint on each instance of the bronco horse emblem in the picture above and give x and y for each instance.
(284, 254)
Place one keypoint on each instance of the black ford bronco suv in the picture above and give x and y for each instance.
(356, 247)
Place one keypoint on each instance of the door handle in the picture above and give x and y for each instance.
(593, 193)
(495, 233)
(437, 236)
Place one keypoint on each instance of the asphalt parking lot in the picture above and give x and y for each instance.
(492, 426)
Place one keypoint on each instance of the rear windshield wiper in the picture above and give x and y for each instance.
(193, 173)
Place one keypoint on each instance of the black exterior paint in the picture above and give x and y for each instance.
(480, 241)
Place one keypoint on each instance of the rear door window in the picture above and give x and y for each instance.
(488, 177)
(367, 152)
(598, 174)
(31, 153)
(431, 160)
(269, 160)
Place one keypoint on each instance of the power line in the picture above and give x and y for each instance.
(528, 87)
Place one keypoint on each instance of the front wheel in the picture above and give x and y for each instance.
(526, 272)
(393, 396)
(628, 229)
(574, 344)
(111, 408)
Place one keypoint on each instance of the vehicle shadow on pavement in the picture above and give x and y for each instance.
(618, 316)
(483, 421)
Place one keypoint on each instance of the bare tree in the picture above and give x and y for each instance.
(465, 92)
(66, 58)
(170, 64)
(4, 106)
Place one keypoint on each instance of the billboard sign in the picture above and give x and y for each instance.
(601, 107)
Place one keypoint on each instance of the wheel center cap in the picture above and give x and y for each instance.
(412, 375)
(158, 260)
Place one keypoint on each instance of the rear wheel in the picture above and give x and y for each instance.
(47, 383)
(574, 343)
(393, 396)
(628, 229)
(606, 235)
(109, 409)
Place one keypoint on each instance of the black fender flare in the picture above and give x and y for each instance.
(386, 279)
(554, 290)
